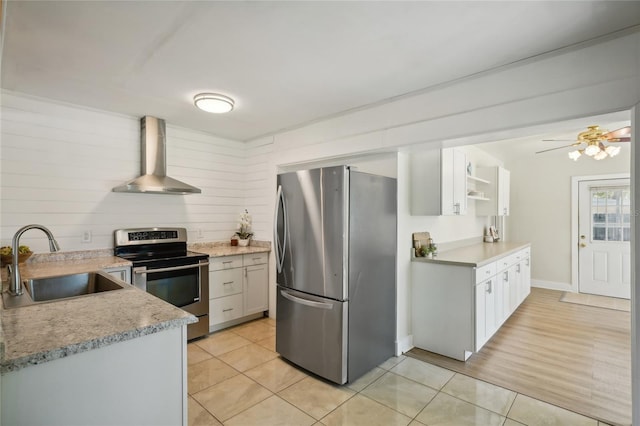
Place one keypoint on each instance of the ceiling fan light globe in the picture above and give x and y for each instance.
(612, 150)
(574, 155)
(600, 155)
(592, 150)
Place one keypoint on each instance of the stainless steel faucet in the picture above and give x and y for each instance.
(15, 288)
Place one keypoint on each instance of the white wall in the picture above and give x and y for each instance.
(545, 89)
(59, 163)
(541, 208)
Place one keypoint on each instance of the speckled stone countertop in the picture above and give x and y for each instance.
(225, 249)
(44, 332)
(63, 263)
(476, 254)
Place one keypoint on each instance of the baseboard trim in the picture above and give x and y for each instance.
(404, 344)
(552, 285)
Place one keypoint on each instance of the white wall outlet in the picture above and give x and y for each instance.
(200, 234)
(86, 236)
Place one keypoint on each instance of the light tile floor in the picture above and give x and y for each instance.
(235, 377)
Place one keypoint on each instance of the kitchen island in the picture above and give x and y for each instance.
(117, 357)
(463, 296)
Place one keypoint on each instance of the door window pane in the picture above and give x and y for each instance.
(610, 214)
(599, 234)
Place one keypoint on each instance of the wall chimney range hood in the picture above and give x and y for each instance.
(153, 170)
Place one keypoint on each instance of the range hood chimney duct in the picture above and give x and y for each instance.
(153, 170)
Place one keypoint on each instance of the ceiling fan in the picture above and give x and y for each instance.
(598, 142)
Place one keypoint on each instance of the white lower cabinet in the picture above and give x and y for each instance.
(457, 309)
(137, 382)
(256, 289)
(238, 289)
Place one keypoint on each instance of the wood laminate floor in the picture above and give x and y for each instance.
(574, 356)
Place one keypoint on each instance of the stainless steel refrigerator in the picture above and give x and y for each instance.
(335, 249)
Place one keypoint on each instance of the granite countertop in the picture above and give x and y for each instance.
(44, 332)
(225, 249)
(475, 255)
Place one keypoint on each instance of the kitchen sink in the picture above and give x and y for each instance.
(49, 289)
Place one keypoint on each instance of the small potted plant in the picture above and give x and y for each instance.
(244, 229)
(428, 251)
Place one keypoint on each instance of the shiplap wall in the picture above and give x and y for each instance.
(59, 163)
(260, 182)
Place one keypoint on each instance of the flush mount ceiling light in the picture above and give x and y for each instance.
(598, 143)
(213, 102)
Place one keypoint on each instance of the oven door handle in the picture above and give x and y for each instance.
(172, 268)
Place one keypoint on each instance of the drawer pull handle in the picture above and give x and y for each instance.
(257, 258)
(227, 283)
(227, 262)
(227, 310)
(487, 272)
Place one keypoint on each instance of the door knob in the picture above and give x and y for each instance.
(583, 245)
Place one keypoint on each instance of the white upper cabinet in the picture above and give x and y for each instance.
(439, 182)
(497, 191)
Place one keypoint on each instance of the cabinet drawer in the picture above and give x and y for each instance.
(524, 253)
(225, 262)
(507, 261)
(225, 309)
(225, 282)
(256, 259)
(484, 272)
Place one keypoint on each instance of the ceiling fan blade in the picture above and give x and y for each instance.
(621, 133)
(619, 140)
(560, 147)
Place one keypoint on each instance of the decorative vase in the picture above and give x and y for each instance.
(243, 243)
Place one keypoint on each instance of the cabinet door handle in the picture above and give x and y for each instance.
(518, 268)
(227, 310)
(489, 287)
(527, 261)
(227, 283)
(505, 276)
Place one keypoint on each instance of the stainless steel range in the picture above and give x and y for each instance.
(164, 267)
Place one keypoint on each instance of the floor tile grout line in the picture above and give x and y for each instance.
(204, 408)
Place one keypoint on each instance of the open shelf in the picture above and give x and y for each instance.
(477, 179)
(475, 197)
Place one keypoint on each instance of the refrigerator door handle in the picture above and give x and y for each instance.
(280, 248)
(306, 302)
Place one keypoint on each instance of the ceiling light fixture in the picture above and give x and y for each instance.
(213, 102)
(574, 155)
(612, 150)
(598, 143)
(592, 149)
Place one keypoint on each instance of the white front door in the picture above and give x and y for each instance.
(604, 232)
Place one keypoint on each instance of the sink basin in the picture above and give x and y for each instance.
(49, 289)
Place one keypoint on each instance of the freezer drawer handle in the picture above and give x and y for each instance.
(311, 303)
